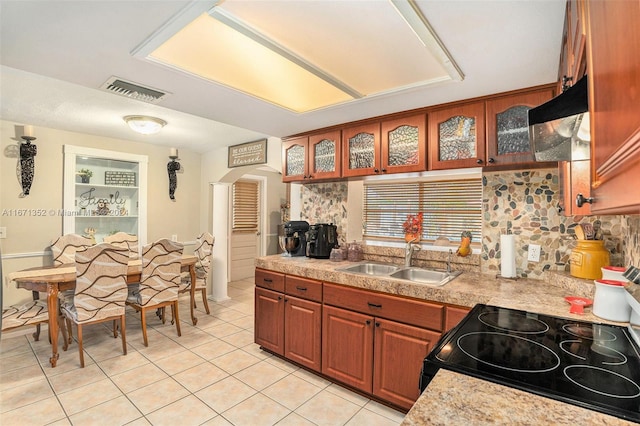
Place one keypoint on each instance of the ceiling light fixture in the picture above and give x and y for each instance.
(144, 124)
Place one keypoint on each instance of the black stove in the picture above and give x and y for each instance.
(592, 365)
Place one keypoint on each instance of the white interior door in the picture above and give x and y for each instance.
(246, 227)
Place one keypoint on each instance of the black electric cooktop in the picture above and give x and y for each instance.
(592, 365)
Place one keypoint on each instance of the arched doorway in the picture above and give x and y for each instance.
(273, 192)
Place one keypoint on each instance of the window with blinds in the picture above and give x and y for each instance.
(448, 208)
(245, 205)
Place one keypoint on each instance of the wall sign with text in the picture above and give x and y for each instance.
(248, 153)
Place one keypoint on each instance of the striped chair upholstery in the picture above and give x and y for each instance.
(161, 262)
(31, 313)
(204, 250)
(100, 292)
(64, 248)
(124, 240)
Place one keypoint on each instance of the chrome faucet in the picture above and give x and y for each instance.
(408, 251)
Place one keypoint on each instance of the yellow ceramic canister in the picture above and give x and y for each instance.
(588, 258)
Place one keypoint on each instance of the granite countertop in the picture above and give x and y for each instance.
(545, 297)
(452, 398)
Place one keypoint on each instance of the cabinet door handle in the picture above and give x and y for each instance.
(286, 300)
(267, 280)
(279, 297)
(368, 322)
(384, 170)
(479, 161)
(581, 199)
(491, 160)
(377, 324)
(373, 305)
(310, 176)
(376, 171)
(301, 288)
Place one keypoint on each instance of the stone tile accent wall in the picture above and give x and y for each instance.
(325, 203)
(631, 241)
(524, 202)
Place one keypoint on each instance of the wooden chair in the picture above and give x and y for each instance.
(100, 292)
(124, 240)
(204, 249)
(159, 282)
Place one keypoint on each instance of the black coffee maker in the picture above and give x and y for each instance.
(321, 238)
(295, 236)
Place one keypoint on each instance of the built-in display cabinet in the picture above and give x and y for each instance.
(104, 192)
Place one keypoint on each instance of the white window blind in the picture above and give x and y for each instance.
(245, 205)
(448, 207)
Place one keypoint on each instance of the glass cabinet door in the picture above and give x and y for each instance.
(456, 137)
(361, 150)
(508, 127)
(104, 193)
(324, 151)
(294, 159)
(404, 144)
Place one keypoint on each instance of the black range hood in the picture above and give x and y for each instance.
(559, 129)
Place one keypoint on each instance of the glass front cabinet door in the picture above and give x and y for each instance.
(361, 150)
(457, 137)
(404, 144)
(313, 157)
(508, 127)
(104, 192)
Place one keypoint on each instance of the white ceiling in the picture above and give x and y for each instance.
(56, 54)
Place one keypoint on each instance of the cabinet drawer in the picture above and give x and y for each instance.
(303, 287)
(409, 311)
(271, 280)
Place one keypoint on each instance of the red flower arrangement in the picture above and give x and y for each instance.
(413, 224)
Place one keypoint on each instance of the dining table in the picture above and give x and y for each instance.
(54, 279)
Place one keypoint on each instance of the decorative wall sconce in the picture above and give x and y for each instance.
(27, 164)
(172, 167)
(144, 124)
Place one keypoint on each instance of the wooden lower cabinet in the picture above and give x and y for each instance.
(399, 350)
(302, 331)
(347, 347)
(375, 355)
(269, 320)
(289, 325)
(453, 315)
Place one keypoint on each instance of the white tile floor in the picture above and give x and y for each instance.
(213, 375)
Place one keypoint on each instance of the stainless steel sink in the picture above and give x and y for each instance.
(425, 276)
(415, 275)
(370, 269)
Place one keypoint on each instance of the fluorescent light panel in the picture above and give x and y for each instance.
(243, 54)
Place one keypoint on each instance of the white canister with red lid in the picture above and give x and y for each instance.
(610, 301)
(613, 273)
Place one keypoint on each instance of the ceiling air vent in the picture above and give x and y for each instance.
(134, 91)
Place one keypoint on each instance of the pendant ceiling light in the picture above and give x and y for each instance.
(144, 124)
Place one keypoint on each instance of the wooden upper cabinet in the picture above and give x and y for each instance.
(614, 104)
(508, 127)
(311, 157)
(294, 159)
(573, 56)
(361, 150)
(404, 144)
(574, 177)
(457, 137)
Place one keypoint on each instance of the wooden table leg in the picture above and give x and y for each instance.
(52, 305)
(192, 293)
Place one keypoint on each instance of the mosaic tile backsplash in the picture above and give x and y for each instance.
(522, 202)
(325, 203)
